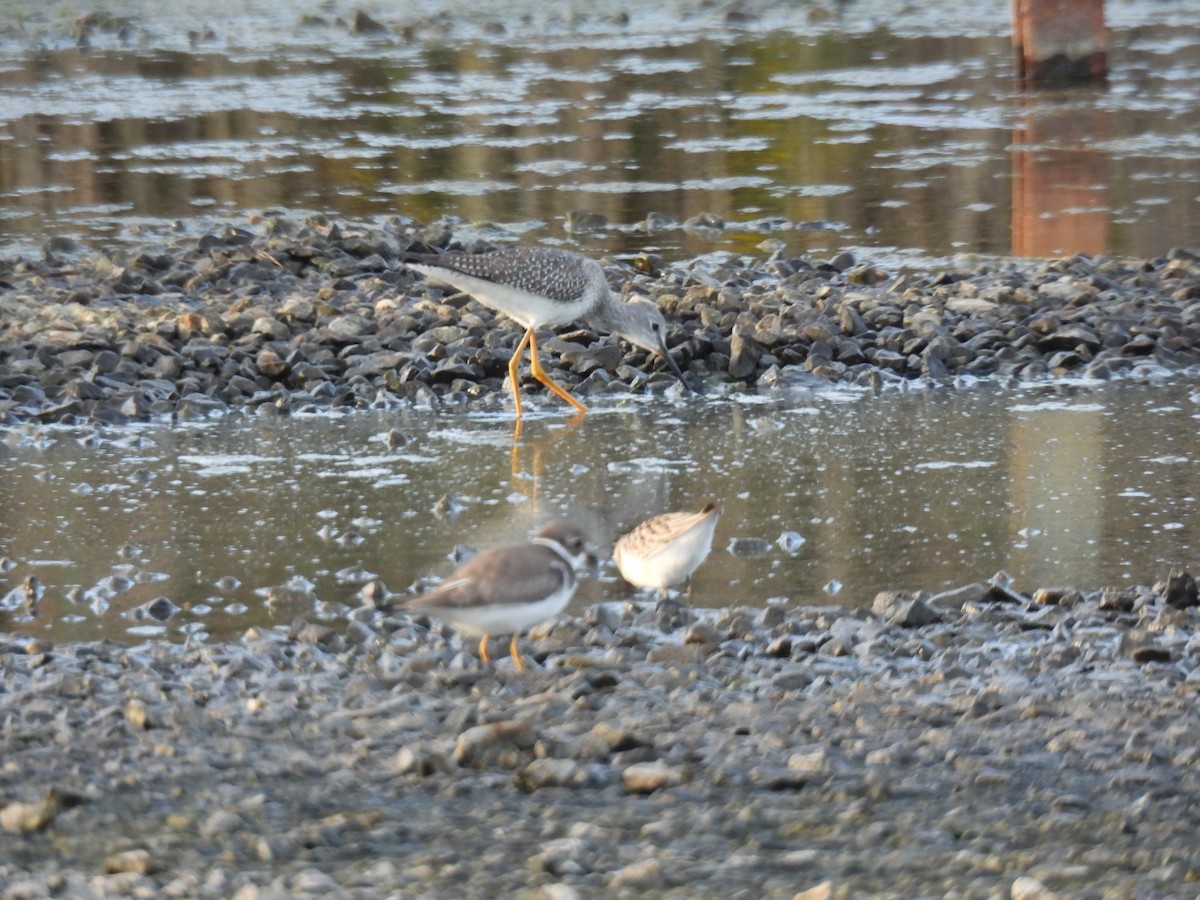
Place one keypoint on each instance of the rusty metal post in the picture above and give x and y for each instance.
(1060, 42)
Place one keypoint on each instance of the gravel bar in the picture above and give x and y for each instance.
(289, 315)
(975, 743)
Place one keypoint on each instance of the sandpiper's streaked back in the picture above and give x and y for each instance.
(507, 589)
(546, 286)
(667, 549)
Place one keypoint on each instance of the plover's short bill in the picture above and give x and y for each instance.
(545, 286)
(667, 549)
(507, 589)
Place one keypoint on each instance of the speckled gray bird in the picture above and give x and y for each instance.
(545, 286)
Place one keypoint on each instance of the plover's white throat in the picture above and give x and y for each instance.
(667, 549)
(545, 286)
(508, 589)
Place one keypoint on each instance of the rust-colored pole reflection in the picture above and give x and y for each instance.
(1060, 181)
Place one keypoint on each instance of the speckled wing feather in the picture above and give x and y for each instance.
(656, 534)
(546, 271)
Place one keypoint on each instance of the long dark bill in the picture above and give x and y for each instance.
(666, 354)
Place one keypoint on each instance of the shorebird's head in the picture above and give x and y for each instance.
(641, 323)
(571, 539)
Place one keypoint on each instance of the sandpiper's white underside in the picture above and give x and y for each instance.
(665, 550)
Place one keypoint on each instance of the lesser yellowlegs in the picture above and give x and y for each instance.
(507, 589)
(545, 286)
(667, 549)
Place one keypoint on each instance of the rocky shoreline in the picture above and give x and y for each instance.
(289, 315)
(976, 743)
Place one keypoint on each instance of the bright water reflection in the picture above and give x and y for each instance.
(929, 489)
(887, 126)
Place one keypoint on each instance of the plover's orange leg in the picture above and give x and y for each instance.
(516, 654)
(483, 649)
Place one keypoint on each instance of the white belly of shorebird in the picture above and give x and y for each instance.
(521, 306)
(506, 619)
(672, 563)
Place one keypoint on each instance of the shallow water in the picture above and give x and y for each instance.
(923, 489)
(891, 129)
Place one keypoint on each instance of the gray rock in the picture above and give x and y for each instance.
(792, 680)
(749, 548)
(270, 328)
(136, 714)
(648, 777)
(745, 352)
(138, 861)
(647, 873)
(690, 654)
(160, 608)
(1117, 599)
(583, 222)
(543, 773)
(1181, 591)
(1026, 888)
(364, 25)
(952, 600)
(569, 856)
(1066, 598)
(349, 327)
(906, 610)
(220, 824)
(299, 308)
(23, 818)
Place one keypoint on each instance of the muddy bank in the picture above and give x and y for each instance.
(290, 315)
(976, 743)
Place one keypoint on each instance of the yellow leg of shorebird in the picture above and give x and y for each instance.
(483, 649)
(516, 655)
(539, 373)
(512, 368)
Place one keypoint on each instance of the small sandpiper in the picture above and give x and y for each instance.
(545, 286)
(507, 589)
(667, 549)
